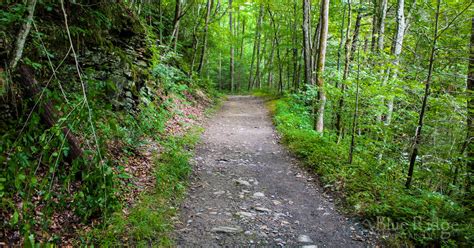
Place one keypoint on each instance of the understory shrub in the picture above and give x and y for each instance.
(371, 187)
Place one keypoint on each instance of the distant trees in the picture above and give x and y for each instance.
(285, 46)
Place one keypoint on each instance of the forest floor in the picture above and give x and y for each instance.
(246, 189)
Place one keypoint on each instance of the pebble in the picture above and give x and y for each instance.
(258, 195)
(276, 202)
(242, 182)
(260, 209)
(304, 239)
(227, 229)
(245, 214)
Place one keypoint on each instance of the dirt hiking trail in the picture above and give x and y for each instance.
(247, 190)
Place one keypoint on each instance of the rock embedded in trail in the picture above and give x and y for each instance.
(227, 229)
(304, 239)
(219, 192)
(242, 182)
(246, 214)
(261, 209)
(258, 195)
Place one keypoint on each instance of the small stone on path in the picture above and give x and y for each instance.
(260, 209)
(245, 214)
(227, 229)
(304, 239)
(242, 182)
(258, 195)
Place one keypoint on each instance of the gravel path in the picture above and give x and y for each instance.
(247, 190)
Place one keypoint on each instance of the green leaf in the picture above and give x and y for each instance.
(21, 177)
(15, 217)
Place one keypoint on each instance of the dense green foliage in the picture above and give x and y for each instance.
(150, 221)
(118, 104)
(373, 188)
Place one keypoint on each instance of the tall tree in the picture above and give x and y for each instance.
(256, 46)
(22, 35)
(177, 17)
(421, 116)
(470, 111)
(231, 48)
(347, 54)
(341, 41)
(319, 122)
(307, 42)
(204, 42)
(356, 110)
(381, 24)
(295, 47)
(195, 40)
(355, 35)
(375, 25)
(396, 50)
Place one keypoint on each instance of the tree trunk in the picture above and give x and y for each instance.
(295, 49)
(319, 122)
(177, 14)
(231, 49)
(355, 36)
(417, 138)
(341, 42)
(397, 50)
(315, 48)
(470, 113)
(22, 35)
(48, 113)
(220, 71)
(375, 25)
(160, 9)
(280, 69)
(307, 42)
(381, 22)
(276, 44)
(256, 47)
(339, 126)
(270, 63)
(195, 46)
(356, 110)
(260, 60)
(242, 43)
(204, 39)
